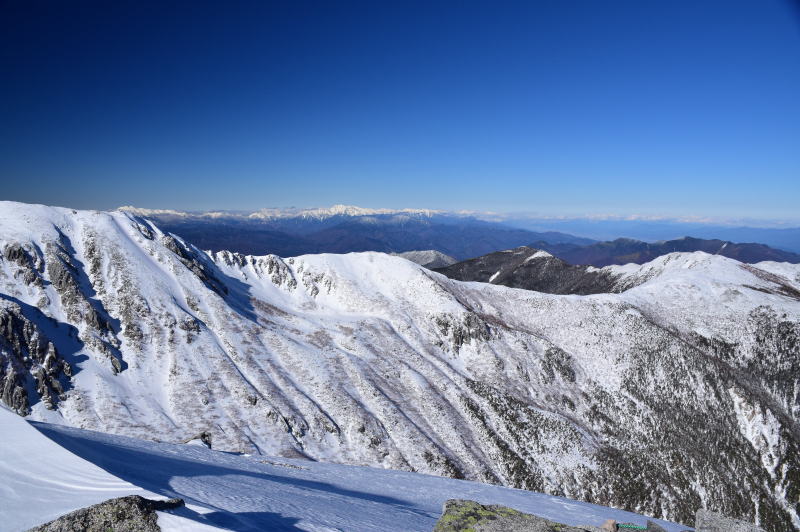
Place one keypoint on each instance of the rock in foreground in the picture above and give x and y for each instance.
(462, 515)
(124, 514)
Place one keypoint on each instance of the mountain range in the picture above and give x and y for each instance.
(345, 229)
(779, 235)
(676, 389)
(625, 250)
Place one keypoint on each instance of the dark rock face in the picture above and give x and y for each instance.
(74, 286)
(532, 269)
(625, 250)
(29, 362)
(28, 263)
(192, 259)
(460, 515)
(124, 514)
(708, 521)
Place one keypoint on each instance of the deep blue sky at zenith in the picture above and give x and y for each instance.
(570, 107)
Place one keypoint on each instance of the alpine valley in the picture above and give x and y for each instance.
(675, 388)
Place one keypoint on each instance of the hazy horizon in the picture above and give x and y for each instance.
(532, 215)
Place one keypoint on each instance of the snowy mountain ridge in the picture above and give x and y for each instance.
(318, 213)
(677, 393)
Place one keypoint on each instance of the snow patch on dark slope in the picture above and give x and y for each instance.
(680, 392)
(429, 258)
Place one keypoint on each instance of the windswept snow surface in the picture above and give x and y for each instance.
(41, 480)
(625, 399)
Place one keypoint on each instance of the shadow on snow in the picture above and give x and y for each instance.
(177, 476)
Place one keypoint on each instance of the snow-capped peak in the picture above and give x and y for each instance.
(318, 213)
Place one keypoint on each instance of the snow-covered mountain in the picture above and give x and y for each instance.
(429, 258)
(679, 392)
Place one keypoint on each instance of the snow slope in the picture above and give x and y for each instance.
(637, 400)
(41, 480)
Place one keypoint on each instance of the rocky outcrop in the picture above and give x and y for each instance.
(75, 289)
(28, 264)
(195, 262)
(463, 515)
(124, 514)
(29, 362)
(470, 516)
(460, 515)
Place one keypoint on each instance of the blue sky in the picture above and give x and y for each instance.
(579, 107)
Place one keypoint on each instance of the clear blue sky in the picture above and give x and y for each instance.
(674, 107)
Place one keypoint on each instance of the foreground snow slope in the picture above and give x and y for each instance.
(231, 492)
(40, 480)
(680, 392)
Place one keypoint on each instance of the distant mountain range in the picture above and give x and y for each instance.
(345, 229)
(626, 250)
(268, 230)
(651, 230)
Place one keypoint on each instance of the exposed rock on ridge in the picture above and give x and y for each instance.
(29, 362)
(461, 515)
(124, 514)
